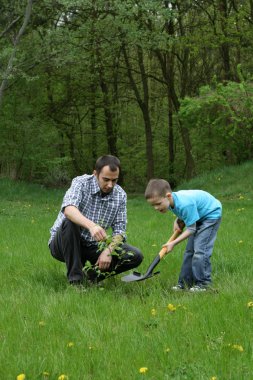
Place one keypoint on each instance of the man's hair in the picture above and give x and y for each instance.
(108, 160)
(157, 188)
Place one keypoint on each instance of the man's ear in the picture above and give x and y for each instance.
(95, 173)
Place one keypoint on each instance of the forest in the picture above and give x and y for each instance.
(167, 86)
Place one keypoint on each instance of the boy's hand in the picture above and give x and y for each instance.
(169, 246)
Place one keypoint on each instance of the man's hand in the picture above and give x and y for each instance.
(104, 260)
(97, 232)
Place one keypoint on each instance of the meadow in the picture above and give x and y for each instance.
(122, 331)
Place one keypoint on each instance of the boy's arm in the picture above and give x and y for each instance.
(184, 235)
(179, 225)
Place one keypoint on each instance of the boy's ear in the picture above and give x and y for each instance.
(169, 195)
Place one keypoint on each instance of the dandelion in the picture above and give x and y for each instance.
(213, 378)
(143, 370)
(21, 376)
(153, 312)
(167, 349)
(46, 374)
(250, 304)
(241, 197)
(237, 347)
(240, 241)
(70, 344)
(171, 307)
(41, 323)
(63, 377)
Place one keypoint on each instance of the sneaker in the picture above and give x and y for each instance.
(197, 289)
(177, 287)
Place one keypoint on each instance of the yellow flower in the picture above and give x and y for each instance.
(241, 197)
(237, 347)
(167, 349)
(171, 307)
(153, 312)
(143, 370)
(63, 377)
(21, 376)
(240, 241)
(250, 304)
(213, 378)
(46, 374)
(70, 344)
(41, 323)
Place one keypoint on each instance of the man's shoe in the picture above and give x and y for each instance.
(78, 285)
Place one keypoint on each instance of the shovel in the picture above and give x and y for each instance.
(136, 276)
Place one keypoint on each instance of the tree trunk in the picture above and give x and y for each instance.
(225, 47)
(9, 68)
(144, 106)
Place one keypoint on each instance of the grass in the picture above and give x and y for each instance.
(48, 329)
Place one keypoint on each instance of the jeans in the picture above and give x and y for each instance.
(68, 247)
(196, 268)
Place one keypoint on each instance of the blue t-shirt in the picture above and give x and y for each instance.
(195, 205)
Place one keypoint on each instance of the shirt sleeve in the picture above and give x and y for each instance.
(120, 220)
(73, 195)
(190, 214)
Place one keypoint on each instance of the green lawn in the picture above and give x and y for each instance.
(48, 329)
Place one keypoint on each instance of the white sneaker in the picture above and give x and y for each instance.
(197, 289)
(177, 288)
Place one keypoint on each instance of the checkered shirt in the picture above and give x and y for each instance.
(107, 211)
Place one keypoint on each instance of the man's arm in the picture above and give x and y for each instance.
(73, 214)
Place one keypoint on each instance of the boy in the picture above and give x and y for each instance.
(201, 214)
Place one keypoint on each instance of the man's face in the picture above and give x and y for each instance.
(160, 204)
(107, 179)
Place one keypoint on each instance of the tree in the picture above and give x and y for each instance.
(16, 41)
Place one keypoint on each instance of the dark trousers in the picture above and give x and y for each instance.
(68, 247)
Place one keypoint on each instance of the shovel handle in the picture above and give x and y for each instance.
(163, 251)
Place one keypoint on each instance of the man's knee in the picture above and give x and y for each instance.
(138, 256)
(135, 254)
(68, 226)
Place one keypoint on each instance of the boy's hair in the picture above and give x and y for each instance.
(108, 160)
(157, 188)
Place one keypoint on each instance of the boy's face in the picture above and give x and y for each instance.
(161, 204)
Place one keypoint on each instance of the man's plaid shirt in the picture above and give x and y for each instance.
(107, 211)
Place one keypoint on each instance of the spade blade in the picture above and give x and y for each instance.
(136, 276)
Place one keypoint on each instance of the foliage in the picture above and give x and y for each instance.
(221, 123)
(96, 77)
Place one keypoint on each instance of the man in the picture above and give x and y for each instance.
(91, 205)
